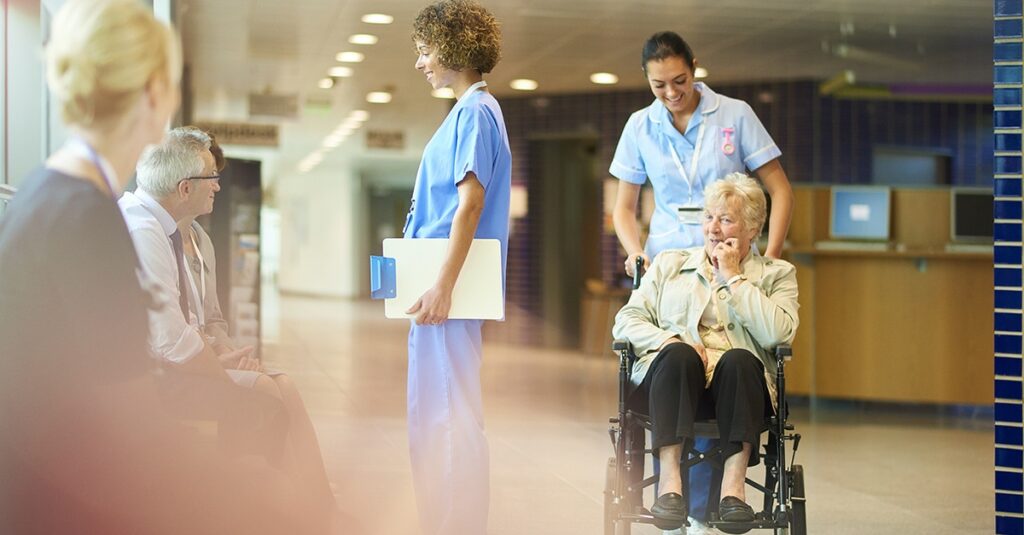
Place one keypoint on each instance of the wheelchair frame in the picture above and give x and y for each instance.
(784, 497)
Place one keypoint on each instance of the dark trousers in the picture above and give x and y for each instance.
(248, 422)
(676, 398)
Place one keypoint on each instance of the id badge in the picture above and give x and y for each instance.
(690, 215)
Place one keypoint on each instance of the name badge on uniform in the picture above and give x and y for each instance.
(690, 215)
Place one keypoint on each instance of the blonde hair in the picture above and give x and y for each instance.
(103, 53)
(753, 205)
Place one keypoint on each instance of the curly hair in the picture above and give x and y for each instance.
(463, 34)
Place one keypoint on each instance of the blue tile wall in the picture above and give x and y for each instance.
(1008, 76)
(1007, 28)
(1007, 52)
(1007, 8)
(1007, 119)
(1008, 165)
(1007, 322)
(1009, 390)
(1007, 299)
(1007, 277)
(1007, 458)
(1010, 481)
(1007, 366)
(1009, 503)
(1009, 232)
(1009, 525)
(1008, 142)
(1010, 436)
(1007, 187)
(1007, 209)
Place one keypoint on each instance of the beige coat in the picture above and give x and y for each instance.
(761, 312)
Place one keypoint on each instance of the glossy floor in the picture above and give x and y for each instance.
(868, 471)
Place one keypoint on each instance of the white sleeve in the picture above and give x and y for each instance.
(171, 337)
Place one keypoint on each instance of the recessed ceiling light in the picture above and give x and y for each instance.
(350, 57)
(700, 72)
(363, 39)
(325, 83)
(444, 92)
(377, 18)
(604, 78)
(340, 71)
(359, 115)
(378, 97)
(523, 84)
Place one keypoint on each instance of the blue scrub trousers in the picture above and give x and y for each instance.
(447, 444)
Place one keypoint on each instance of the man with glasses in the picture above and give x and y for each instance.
(177, 181)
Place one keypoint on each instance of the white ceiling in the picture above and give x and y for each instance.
(235, 47)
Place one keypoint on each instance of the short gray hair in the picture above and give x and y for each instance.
(753, 205)
(179, 156)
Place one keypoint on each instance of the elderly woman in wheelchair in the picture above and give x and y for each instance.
(702, 324)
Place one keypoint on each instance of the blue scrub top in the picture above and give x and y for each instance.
(643, 153)
(471, 138)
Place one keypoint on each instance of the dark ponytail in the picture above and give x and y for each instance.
(666, 45)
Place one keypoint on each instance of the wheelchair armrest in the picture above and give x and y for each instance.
(784, 352)
(622, 345)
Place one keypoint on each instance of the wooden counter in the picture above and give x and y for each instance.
(913, 325)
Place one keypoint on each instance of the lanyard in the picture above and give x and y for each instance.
(198, 290)
(690, 177)
(83, 148)
(474, 87)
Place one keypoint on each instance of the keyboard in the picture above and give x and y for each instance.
(836, 245)
(969, 248)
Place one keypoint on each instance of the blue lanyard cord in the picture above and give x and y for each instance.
(81, 145)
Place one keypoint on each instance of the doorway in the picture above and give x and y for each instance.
(566, 235)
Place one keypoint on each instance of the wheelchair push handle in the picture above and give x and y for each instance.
(638, 271)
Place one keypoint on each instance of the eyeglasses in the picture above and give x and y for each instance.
(214, 177)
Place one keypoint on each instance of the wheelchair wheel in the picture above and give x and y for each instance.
(610, 511)
(612, 525)
(798, 523)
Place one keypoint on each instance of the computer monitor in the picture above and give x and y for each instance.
(970, 215)
(860, 213)
(910, 166)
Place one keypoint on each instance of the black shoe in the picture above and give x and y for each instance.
(733, 509)
(669, 511)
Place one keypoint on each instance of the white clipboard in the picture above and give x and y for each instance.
(479, 292)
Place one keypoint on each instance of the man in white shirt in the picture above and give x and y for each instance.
(177, 179)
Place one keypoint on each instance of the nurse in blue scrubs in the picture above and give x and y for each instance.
(688, 137)
(462, 192)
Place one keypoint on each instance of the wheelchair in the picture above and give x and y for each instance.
(784, 496)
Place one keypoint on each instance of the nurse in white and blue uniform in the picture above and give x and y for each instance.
(462, 192)
(687, 138)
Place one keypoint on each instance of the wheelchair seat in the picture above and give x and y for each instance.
(783, 489)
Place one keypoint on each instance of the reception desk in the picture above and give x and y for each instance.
(910, 324)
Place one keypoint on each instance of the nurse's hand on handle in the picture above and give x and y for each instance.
(432, 307)
(631, 262)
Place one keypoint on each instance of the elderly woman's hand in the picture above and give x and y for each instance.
(700, 349)
(727, 257)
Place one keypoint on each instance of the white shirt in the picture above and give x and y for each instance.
(172, 336)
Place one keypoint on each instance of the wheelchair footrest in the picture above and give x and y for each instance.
(761, 521)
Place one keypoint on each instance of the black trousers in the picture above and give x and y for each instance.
(248, 421)
(676, 398)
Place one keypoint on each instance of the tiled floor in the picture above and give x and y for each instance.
(547, 411)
